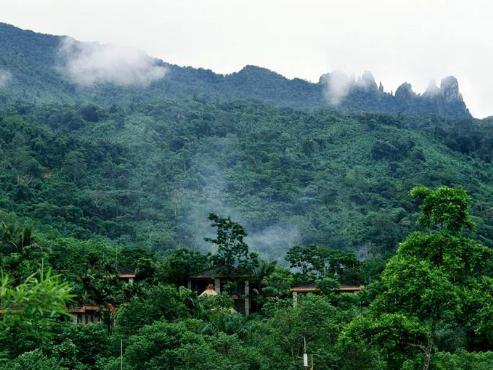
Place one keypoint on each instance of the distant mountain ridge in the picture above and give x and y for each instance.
(31, 60)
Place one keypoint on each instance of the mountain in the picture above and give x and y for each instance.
(140, 151)
(34, 63)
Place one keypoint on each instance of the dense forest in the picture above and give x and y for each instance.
(150, 174)
(428, 306)
(254, 178)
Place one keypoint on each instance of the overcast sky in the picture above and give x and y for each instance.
(398, 40)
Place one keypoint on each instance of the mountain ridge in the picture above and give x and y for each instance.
(33, 59)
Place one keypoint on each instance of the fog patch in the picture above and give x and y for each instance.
(210, 198)
(213, 197)
(90, 64)
(432, 89)
(5, 77)
(274, 240)
(338, 85)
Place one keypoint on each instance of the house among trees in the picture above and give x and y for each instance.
(91, 314)
(128, 277)
(206, 282)
(85, 314)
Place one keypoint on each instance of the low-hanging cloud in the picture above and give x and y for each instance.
(274, 240)
(432, 89)
(90, 64)
(5, 77)
(338, 85)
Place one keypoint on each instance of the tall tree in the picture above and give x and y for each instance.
(437, 282)
(233, 254)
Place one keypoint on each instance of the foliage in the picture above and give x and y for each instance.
(180, 263)
(161, 302)
(233, 255)
(430, 305)
(313, 319)
(182, 346)
(444, 207)
(277, 284)
(432, 285)
(316, 262)
(149, 174)
(388, 339)
(34, 360)
(80, 346)
(31, 310)
(461, 361)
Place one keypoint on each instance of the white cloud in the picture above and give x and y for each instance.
(5, 77)
(338, 85)
(89, 64)
(432, 89)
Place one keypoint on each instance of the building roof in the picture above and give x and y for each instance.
(303, 289)
(83, 309)
(123, 275)
(350, 288)
(312, 288)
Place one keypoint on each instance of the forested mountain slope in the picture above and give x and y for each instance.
(36, 66)
(142, 154)
(150, 173)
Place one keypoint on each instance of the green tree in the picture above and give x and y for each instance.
(436, 280)
(444, 208)
(380, 342)
(31, 310)
(80, 346)
(313, 319)
(33, 360)
(277, 284)
(233, 255)
(162, 302)
(316, 262)
(180, 263)
(188, 345)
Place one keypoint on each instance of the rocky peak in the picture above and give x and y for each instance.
(404, 91)
(432, 90)
(367, 81)
(449, 89)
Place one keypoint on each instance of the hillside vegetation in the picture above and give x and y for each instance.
(427, 307)
(149, 174)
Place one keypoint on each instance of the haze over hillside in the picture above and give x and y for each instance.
(44, 68)
(140, 151)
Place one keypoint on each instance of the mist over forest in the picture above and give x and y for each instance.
(166, 217)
